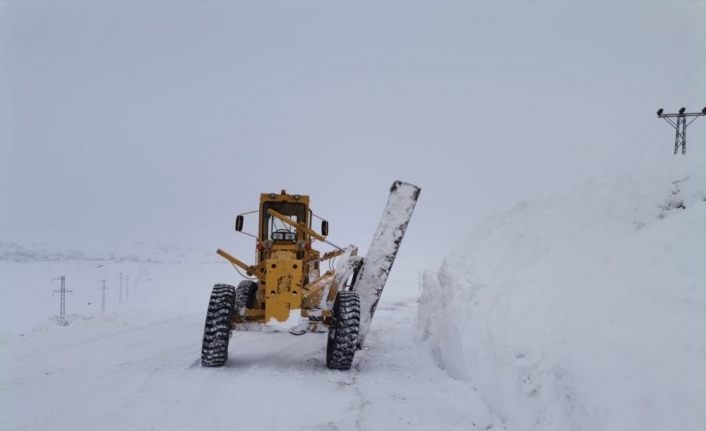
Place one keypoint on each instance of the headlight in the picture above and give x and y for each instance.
(284, 236)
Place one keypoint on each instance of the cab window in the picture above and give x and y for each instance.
(295, 211)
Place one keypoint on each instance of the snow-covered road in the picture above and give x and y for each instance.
(146, 374)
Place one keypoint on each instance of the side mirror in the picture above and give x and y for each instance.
(239, 223)
(324, 227)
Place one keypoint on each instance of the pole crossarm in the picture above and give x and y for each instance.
(686, 114)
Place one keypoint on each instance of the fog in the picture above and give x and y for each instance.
(157, 122)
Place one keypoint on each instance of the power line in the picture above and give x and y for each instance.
(682, 118)
(688, 76)
(696, 96)
(674, 94)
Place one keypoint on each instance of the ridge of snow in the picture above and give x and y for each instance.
(585, 311)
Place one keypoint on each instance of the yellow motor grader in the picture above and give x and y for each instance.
(296, 288)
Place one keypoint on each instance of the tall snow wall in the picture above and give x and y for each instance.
(585, 311)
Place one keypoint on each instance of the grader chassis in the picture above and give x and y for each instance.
(289, 290)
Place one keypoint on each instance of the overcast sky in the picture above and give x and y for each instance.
(159, 121)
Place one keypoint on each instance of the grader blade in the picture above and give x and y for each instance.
(383, 250)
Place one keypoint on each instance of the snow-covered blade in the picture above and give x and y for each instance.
(383, 250)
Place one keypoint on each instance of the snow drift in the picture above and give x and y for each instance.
(583, 312)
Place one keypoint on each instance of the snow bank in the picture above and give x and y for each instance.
(583, 312)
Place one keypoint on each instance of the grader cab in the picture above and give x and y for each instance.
(296, 288)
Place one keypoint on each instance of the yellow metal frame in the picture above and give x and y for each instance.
(249, 269)
(288, 273)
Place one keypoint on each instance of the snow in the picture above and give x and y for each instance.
(583, 311)
(294, 319)
(580, 311)
(138, 366)
(135, 124)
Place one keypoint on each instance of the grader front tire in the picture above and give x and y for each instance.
(343, 332)
(216, 333)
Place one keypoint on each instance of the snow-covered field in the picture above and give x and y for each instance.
(138, 366)
(584, 311)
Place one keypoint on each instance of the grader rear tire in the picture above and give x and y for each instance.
(245, 294)
(343, 332)
(216, 333)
